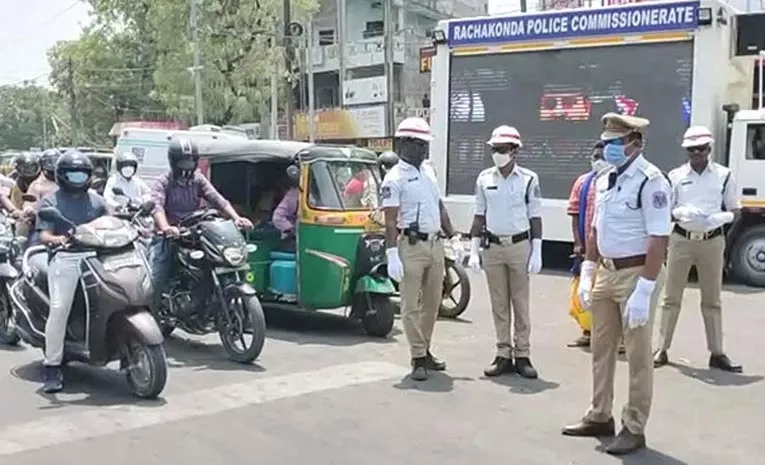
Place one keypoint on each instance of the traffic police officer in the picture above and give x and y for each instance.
(626, 245)
(508, 218)
(704, 200)
(414, 219)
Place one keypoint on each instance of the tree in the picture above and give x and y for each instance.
(30, 116)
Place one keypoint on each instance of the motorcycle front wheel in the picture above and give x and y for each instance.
(146, 368)
(8, 334)
(456, 281)
(243, 318)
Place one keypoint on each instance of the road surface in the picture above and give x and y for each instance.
(323, 393)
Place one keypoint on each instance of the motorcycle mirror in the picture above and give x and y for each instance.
(118, 191)
(147, 207)
(28, 198)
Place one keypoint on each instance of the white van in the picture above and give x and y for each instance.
(150, 147)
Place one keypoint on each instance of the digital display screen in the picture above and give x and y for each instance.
(556, 98)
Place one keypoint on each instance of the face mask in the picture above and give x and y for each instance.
(614, 154)
(599, 165)
(76, 177)
(127, 172)
(501, 159)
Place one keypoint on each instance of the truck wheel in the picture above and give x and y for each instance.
(748, 257)
(376, 312)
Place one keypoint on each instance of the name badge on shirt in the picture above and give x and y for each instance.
(685, 183)
(412, 179)
(491, 188)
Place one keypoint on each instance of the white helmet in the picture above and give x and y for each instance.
(505, 135)
(416, 128)
(697, 136)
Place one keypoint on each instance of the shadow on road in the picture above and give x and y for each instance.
(16, 348)
(520, 385)
(200, 356)
(322, 328)
(438, 382)
(102, 387)
(717, 377)
(646, 456)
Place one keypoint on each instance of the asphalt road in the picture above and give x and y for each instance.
(324, 393)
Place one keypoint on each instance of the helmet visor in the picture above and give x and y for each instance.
(77, 178)
(187, 164)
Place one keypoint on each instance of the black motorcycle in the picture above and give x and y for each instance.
(209, 291)
(10, 247)
(109, 318)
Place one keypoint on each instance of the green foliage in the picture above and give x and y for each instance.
(27, 112)
(135, 61)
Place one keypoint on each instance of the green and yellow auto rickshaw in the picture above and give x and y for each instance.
(336, 256)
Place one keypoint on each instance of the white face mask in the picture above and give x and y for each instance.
(127, 172)
(599, 165)
(501, 159)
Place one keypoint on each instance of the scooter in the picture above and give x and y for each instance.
(10, 247)
(109, 318)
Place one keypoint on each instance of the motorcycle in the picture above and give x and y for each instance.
(210, 291)
(132, 212)
(10, 248)
(109, 318)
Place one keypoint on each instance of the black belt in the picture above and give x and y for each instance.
(422, 236)
(516, 238)
(623, 262)
(698, 236)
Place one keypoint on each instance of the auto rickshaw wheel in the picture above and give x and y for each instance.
(376, 312)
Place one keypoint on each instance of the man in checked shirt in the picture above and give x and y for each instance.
(175, 195)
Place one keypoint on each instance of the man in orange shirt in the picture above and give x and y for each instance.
(581, 207)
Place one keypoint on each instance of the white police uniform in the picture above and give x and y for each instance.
(698, 239)
(415, 192)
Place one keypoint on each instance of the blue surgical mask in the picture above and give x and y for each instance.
(614, 153)
(76, 177)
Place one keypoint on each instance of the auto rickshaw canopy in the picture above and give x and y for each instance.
(222, 151)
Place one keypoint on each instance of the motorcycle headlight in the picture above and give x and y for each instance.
(235, 255)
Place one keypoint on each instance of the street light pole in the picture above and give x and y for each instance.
(194, 20)
(288, 58)
(309, 72)
(388, 45)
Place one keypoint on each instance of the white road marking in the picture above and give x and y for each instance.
(104, 421)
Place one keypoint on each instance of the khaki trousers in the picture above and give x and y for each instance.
(506, 267)
(423, 276)
(610, 292)
(708, 256)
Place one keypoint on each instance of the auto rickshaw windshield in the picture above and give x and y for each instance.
(343, 185)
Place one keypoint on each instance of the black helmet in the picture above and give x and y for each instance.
(183, 157)
(48, 161)
(126, 159)
(388, 160)
(28, 166)
(74, 171)
(293, 176)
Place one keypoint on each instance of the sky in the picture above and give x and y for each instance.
(28, 28)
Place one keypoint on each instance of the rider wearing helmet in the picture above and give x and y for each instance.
(78, 205)
(387, 161)
(46, 181)
(27, 170)
(175, 195)
(134, 188)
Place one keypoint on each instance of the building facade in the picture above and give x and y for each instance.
(349, 73)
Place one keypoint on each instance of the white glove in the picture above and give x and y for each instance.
(715, 220)
(474, 262)
(459, 251)
(535, 259)
(586, 273)
(638, 307)
(688, 213)
(395, 267)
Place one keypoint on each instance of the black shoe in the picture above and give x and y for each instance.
(581, 341)
(660, 358)
(590, 429)
(434, 363)
(524, 368)
(419, 369)
(499, 366)
(626, 442)
(722, 362)
(53, 379)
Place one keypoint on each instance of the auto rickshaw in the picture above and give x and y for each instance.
(338, 260)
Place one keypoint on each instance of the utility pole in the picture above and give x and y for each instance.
(72, 104)
(388, 45)
(274, 127)
(309, 72)
(524, 7)
(197, 69)
(341, 50)
(289, 53)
